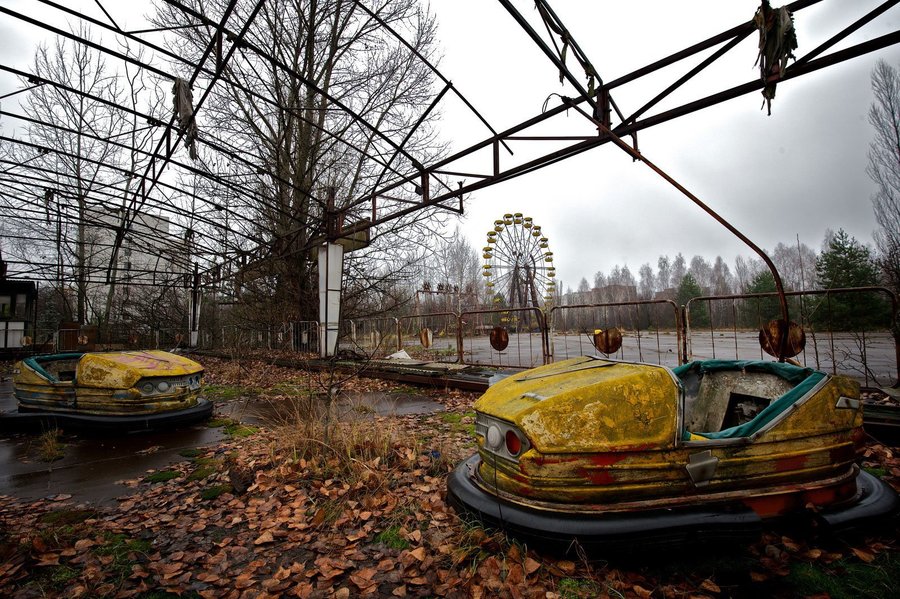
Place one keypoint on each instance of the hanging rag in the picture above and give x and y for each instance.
(777, 42)
(48, 199)
(183, 104)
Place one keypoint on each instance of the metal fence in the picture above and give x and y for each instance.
(371, 337)
(526, 332)
(650, 329)
(433, 337)
(848, 331)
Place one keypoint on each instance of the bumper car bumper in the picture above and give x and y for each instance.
(632, 531)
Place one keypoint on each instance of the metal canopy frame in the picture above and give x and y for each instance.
(406, 183)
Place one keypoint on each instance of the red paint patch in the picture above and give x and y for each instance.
(597, 477)
(792, 463)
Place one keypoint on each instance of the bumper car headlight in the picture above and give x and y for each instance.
(501, 438)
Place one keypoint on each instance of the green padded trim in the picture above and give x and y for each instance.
(34, 362)
(789, 372)
(804, 379)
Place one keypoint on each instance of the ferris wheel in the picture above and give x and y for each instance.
(518, 266)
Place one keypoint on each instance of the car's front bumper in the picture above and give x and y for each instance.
(636, 531)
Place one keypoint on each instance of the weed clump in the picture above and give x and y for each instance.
(49, 446)
(161, 476)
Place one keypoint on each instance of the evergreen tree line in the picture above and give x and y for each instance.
(843, 262)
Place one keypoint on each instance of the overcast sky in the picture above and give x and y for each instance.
(796, 172)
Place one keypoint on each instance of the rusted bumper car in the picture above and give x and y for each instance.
(107, 391)
(623, 455)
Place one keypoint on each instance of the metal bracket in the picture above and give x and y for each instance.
(701, 467)
(846, 403)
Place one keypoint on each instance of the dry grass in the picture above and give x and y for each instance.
(336, 439)
(49, 446)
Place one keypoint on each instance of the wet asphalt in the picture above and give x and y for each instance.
(96, 470)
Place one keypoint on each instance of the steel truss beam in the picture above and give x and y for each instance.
(430, 179)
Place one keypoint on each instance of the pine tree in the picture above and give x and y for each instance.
(848, 263)
(762, 310)
(689, 288)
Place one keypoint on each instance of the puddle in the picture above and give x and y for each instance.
(92, 467)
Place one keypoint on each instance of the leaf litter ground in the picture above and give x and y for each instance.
(284, 510)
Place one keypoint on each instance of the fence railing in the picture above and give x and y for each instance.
(651, 330)
(526, 337)
(433, 337)
(848, 331)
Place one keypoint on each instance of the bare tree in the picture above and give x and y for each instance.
(75, 169)
(745, 269)
(796, 264)
(457, 265)
(646, 281)
(702, 272)
(664, 273)
(884, 168)
(679, 269)
(319, 97)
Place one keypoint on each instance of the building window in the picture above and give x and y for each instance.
(5, 305)
(21, 303)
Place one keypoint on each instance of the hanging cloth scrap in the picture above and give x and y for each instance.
(183, 104)
(777, 42)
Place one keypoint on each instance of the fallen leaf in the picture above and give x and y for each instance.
(516, 575)
(361, 582)
(708, 585)
(48, 559)
(418, 553)
(641, 591)
(863, 555)
(265, 537)
(531, 566)
(319, 517)
(813, 553)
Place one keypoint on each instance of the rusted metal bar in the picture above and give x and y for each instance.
(684, 78)
(621, 130)
(721, 220)
(410, 133)
(791, 72)
(742, 29)
(90, 44)
(843, 33)
(634, 303)
(426, 62)
(131, 35)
